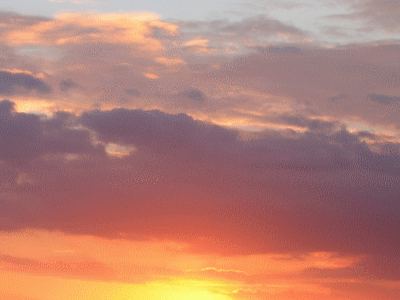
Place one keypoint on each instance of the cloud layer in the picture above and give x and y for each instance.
(257, 190)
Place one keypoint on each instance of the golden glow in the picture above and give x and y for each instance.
(119, 151)
(66, 267)
(125, 28)
(53, 288)
(151, 76)
(170, 61)
(174, 290)
(198, 42)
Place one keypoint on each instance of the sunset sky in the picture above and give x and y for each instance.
(199, 150)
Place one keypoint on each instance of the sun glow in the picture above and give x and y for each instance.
(176, 290)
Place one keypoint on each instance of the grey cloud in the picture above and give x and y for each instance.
(313, 125)
(261, 25)
(25, 137)
(381, 13)
(383, 99)
(367, 134)
(326, 146)
(194, 95)
(16, 20)
(68, 84)
(281, 50)
(337, 98)
(159, 131)
(133, 92)
(10, 82)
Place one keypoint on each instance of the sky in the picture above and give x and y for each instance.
(213, 150)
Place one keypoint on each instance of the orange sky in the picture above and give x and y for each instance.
(50, 265)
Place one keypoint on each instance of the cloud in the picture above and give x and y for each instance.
(187, 178)
(11, 83)
(194, 95)
(74, 29)
(133, 92)
(158, 131)
(89, 269)
(247, 81)
(26, 136)
(383, 99)
(15, 20)
(383, 14)
(262, 25)
(370, 268)
(170, 61)
(68, 84)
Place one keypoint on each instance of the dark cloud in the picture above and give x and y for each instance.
(25, 137)
(159, 131)
(10, 83)
(322, 190)
(133, 92)
(367, 134)
(313, 125)
(383, 99)
(261, 25)
(68, 84)
(258, 27)
(193, 95)
(338, 98)
(280, 50)
(16, 20)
